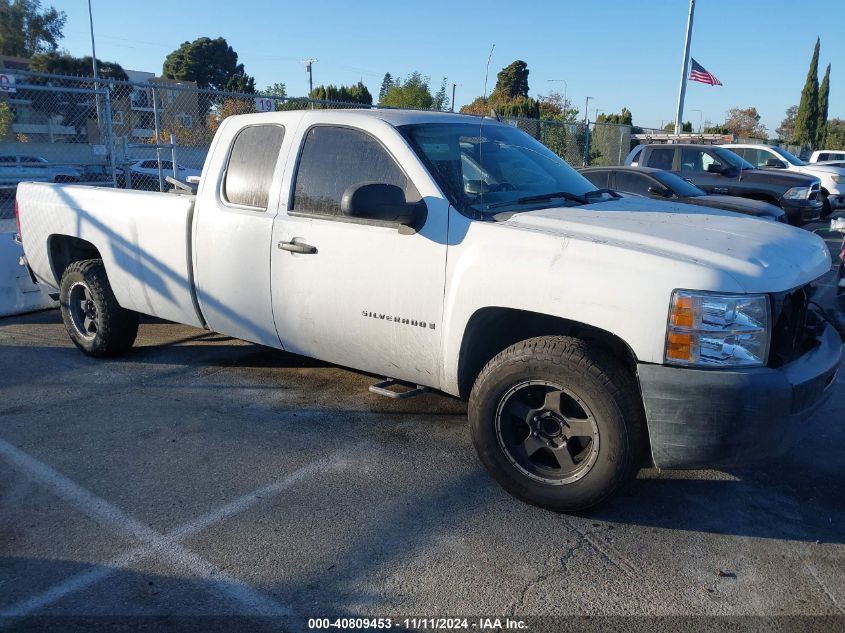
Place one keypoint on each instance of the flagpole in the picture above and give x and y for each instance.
(683, 89)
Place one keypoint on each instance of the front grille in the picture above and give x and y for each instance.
(790, 336)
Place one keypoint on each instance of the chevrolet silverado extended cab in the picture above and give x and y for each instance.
(591, 334)
(718, 170)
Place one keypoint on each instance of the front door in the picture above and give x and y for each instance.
(358, 293)
(233, 231)
(703, 169)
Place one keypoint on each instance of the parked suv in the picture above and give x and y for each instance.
(718, 170)
(771, 157)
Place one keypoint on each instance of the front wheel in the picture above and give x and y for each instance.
(557, 422)
(92, 316)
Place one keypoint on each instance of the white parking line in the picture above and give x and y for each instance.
(149, 541)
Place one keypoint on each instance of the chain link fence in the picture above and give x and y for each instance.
(134, 134)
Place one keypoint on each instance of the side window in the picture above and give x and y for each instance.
(597, 178)
(695, 160)
(149, 164)
(249, 171)
(7, 160)
(661, 158)
(823, 156)
(757, 157)
(334, 159)
(632, 183)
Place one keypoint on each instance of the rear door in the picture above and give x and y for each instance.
(636, 183)
(233, 228)
(369, 295)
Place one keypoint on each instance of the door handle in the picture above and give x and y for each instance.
(298, 247)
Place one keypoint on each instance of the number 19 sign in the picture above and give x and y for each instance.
(265, 105)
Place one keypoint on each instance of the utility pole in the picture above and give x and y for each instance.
(94, 62)
(308, 63)
(453, 97)
(684, 65)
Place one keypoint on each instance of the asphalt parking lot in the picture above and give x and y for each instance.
(204, 476)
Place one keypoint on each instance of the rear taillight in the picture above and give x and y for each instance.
(18, 217)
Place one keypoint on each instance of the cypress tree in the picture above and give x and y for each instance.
(807, 119)
(821, 126)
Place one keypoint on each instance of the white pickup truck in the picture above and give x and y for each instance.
(832, 176)
(592, 334)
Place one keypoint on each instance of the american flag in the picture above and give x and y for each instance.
(698, 73)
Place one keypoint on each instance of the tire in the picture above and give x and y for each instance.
(826, 208)
(92, 316)
(595, 417)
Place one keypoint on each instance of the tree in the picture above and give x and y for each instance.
(510, 96)
(745, 123)
(806, 120)
(210, 63)
(277, 89)
(386, 85)
(357, 93)
(511, 82)
(228, 108)
(824, 94)
(787, 126)
(441, 99)
(75, 108)
(26, 30)
(412, 93)
(835, 134)
(6, 119)
(669, 128)
(625, 118)
(554, 108)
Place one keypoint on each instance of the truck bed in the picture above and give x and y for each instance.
(143, 238)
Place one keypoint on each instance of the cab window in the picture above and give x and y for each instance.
(252, 161)
(661, 158)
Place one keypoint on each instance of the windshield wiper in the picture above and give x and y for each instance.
(599, 192)
(541, 198)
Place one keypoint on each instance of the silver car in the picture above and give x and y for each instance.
(17, 168)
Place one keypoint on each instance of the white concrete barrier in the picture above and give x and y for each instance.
(17, 292)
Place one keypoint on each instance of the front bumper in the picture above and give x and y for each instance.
(700, 418)
(802, 210)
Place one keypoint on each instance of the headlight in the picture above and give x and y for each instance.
(797, 193)
(713, 330)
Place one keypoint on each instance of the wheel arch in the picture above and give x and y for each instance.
(491, 330)
(64, 250)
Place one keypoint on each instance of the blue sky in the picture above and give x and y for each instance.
(621, 52)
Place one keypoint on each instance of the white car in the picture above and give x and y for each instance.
(591, 334)
(16, 168)
(145, 171)
(771, 157)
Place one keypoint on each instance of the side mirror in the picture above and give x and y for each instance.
(660, 191)
(774, 162)
(382, 202)
(715, 168)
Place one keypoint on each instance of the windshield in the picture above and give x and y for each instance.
(732, 159)
(677, 184)
(491, 168)
(792, 158)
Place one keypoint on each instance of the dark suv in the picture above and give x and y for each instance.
(718, 170)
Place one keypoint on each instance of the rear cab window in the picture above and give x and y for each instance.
(249, 169)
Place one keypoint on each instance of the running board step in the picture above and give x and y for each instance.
(383, 388)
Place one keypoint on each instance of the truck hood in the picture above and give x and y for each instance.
(760, 256)
(778, 177)
(820, 169)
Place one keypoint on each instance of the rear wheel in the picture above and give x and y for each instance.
(92, 316)
(557, 422)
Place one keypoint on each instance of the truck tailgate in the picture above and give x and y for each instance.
(143, 238)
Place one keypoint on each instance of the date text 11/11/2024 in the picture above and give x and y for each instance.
(419, 624)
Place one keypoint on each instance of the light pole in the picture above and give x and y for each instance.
(700, 120)
(586, 130)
